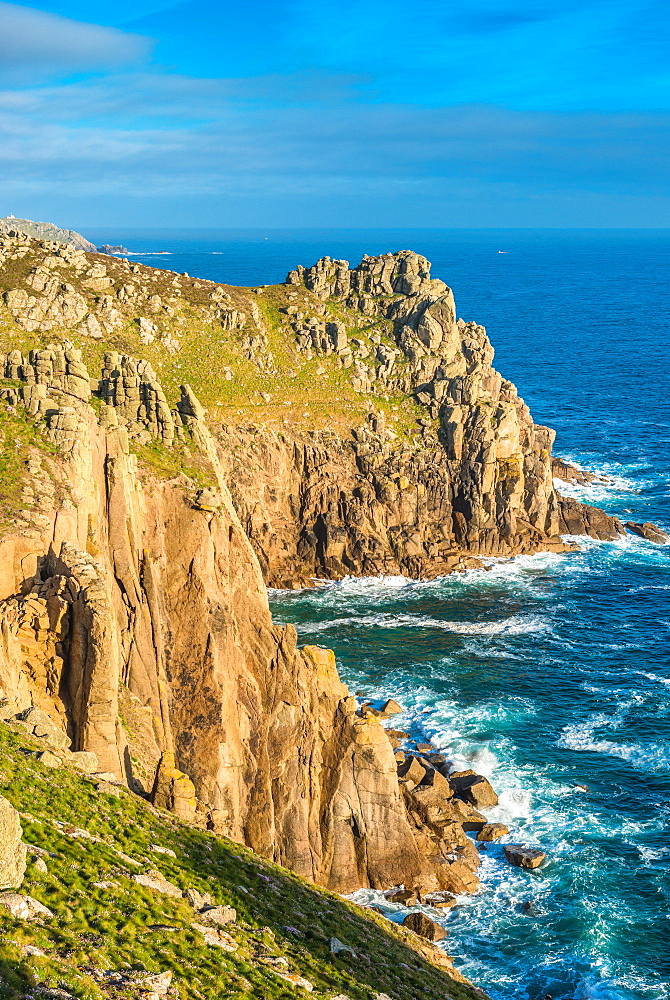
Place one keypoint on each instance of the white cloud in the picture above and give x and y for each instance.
(34, 45)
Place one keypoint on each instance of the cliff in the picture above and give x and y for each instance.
(144, 511)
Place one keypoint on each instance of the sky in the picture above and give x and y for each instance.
(289, 113)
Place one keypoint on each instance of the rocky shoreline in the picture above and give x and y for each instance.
(173, 447)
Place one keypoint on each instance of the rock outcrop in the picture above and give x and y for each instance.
(476, 477)
(651, 532)
(134, 620)
(126, 602)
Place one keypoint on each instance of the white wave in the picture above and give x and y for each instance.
(516, 625)
(654, 677)
(581, 737)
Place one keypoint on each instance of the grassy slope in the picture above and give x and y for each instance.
(298, 394)
(279, 914)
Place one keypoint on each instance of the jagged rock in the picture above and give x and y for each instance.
(46, 231)
(650, 531)
(492, 831)
(13, 851)
(391, 707)
(523, 857)
(23, 907)
(424, 926)
(473, 788)
(160, 613)
(582, 519)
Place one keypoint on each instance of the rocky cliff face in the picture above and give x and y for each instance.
(475, 478)
(133, 608)
(135, 616)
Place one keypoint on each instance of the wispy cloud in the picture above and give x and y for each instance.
(36, 45)
(364, 113)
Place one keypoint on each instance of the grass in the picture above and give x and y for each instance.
(297, 394)
(123, 927)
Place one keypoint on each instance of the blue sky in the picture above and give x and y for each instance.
(295, 113)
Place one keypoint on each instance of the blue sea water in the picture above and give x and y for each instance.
(547, 672)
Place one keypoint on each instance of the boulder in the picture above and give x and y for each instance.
(83, 760)
(154, 880)
(649, 531)
(39, 724)
(216, 938)
(492, 831)
(391, 707)
(49, 759)
(524, 857)
(424, 926)
(411, 772)
(439, 900)
(337, 947)
(219, 915)
(409, 897)
(23, 907)
(13, 851)
(473, 788)
(198, 900)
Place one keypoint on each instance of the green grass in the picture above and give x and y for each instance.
(98, 929)
(298, 394)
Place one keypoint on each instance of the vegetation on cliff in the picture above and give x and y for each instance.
(104, 922)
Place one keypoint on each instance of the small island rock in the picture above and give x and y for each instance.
(524, 857)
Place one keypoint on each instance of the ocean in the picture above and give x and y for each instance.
(548, 673)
